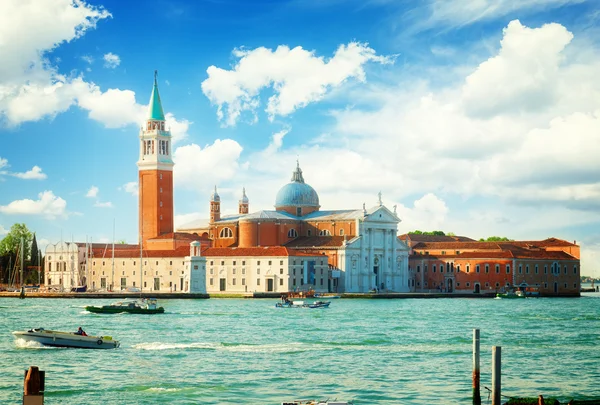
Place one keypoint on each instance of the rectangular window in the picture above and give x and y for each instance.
(527, 269)
(497, 269)
(257, 271)
(487, 268)
(536, 269)
(233, 271)
(574, 269)
(243, 281)
(222, 262)
(545, 269)
(269, 262)
(211, 281)
(258, 263)
(477, 269)
(211, 262)
(258, 281)
(233, 281)
(294, 282)
(281, 271)
(102, 283)
(443, 252)
(243, 262)
(280, 281)
(433, 268)
(508, 269)
(234, 262)
(468, 268)
(520, 269)
(425, 269)
(281, 262)
(243, 271)
(418, 269)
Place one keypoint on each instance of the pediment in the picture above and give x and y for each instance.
(382, 215)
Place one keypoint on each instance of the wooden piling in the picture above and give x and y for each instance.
(496, 374)
(33, 387)
(476, 373)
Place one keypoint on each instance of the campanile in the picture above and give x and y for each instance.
(155, 167)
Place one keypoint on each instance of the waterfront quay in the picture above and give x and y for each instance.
(258, 295)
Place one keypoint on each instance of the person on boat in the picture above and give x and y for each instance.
(81, 332)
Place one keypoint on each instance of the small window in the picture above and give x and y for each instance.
(342, 232)
(292, 233)
(477, 269)
(243, 262)
(280, 281)
(222, 262)
(324, 232)
(497, 269)
(281, 262)
(258, 263)
(468, 268)
(258, 281)
(308, 233)
(280, 271)
(269, 262)
(508, 269)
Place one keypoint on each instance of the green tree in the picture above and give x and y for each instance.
(34, 252)
(495, 239)
(11, 242)
(437, 233)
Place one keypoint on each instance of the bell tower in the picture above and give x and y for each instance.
(243, 203)
(215, 207)
(155, 168)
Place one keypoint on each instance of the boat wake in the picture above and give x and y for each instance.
(165, 390)
(174, 346)
(24, 344)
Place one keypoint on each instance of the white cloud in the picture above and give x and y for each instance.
(276, 141)
(522, 77)
(87, 59)
(92, 192)
(131, 188)
(111, 60)
(297, 78)
(30, 86)
(463, 12)
(3, 230)
(178, 128)
(183, 219)
(48, 205)
(196, 167)
(428, 213)
(99, 204)
(34, 174)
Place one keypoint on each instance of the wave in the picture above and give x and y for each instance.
(27, 344)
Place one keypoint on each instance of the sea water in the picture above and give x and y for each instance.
(246, 351)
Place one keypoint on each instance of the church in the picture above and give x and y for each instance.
(295, 247)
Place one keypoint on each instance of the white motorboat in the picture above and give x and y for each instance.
(67, 339)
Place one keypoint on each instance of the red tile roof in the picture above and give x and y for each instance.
(106, 253)
(279, 251)
(316, 241)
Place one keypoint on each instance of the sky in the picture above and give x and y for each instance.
(478, 117)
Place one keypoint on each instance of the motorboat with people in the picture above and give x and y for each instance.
(77, 339)
(287, 303)
(141, 306)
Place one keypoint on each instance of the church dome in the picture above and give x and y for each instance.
(297, 193)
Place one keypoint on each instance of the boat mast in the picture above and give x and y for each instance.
(22, 259)
(112, 283)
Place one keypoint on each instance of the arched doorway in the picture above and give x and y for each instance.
(555, 288)
(449, 285)
(477, 288)
(376, 272)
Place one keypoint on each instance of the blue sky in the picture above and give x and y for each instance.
(479, 117)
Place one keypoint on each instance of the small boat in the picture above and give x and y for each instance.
(80, 288)
(143, 306)
(511, 294)
(302, 304)
(67, 339)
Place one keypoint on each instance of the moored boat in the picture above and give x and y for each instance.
(302, 304)
(143, 306)
(511, 294)
(66, 339)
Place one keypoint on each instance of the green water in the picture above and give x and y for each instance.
(235, 351)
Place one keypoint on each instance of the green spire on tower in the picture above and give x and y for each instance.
(155, 110)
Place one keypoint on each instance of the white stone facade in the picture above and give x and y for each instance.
(375, 259)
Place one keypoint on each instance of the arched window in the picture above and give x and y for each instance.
(226, 233)
(324, 232)
(292, 233)
(342, 232)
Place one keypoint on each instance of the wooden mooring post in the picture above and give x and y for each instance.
(496, 374)
(476, 373)
(33, 388)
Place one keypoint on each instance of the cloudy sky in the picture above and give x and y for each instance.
(478, 117)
